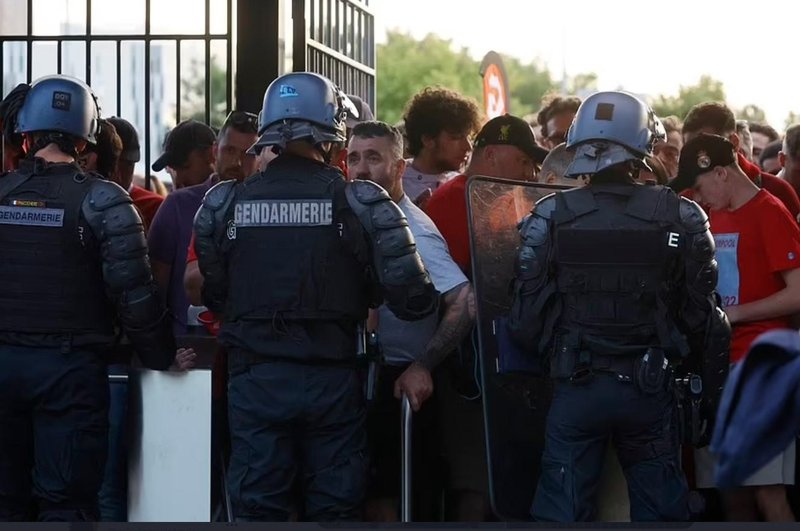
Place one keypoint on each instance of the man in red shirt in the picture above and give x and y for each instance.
(758, 251)
(505, 147)
(717, 119)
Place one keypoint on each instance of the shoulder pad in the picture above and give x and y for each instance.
(693, 218)
(367, 192)
(533, 230)
(218, 195)
(545, 206)
(105, 194)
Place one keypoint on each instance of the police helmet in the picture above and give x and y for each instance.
(301, 105)
(610, 128)
(60, 104)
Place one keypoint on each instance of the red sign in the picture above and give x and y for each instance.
(495, 86)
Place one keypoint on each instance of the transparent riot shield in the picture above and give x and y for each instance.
(515, 395)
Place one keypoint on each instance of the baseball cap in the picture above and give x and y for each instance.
(181, 141)
(364, 112)
(700, 155)
(129, 137)
(511, 131)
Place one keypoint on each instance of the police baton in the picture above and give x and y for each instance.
(405, 448)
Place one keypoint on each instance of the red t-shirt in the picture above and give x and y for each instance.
(147, 202)
(447, 207)
(755, 244)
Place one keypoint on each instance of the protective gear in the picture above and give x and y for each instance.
(613, 282)
(514, 388)
(301, 105)
(326, 280)
(408, 291)
(53, 272)
(89, 246)
(290, 263)
(706, 324)
(117, 227)
(60, 104)
(614, 289)
(211, 216)
(611, 128)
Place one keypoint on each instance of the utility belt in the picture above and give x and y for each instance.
(651, 372)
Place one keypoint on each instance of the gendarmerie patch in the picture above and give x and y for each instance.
(283, 213)
(31, 216)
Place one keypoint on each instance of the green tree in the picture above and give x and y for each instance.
(527, 83)
(706, 89)
(406, 65)
(193, 92)
(752, 113)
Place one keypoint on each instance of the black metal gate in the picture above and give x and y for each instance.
(157, 62)
(153, 63)
(336, 38)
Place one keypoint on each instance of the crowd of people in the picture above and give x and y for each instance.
(311, 225)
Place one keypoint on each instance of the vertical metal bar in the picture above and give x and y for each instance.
(119, 77)
(208, 62)
(29, 66)
(147, 183)
(351, 26)
(405, 433)
(58, 55)
(312, 19)
(2, 80)
(229, 61)
(328, 39)
(300, 36)
(89, 42)
(177, 81)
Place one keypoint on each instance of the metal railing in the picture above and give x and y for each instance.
(336, 38)
(85, 32)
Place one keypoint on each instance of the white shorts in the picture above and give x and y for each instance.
(779, 471)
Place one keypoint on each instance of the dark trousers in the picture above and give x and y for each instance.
(113, 496)
(53, 433)
(581, 420)
(288, 419)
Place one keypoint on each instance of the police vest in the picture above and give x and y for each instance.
(51, 278)
(616, 253)
(290, 252)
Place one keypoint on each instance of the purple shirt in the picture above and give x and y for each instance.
(168, 241)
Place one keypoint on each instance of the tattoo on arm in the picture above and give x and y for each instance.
(456, 323)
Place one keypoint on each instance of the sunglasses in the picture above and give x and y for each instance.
(241, 121)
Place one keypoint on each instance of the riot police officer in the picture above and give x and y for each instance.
(292, 259)
(74, 263)
(614, 290)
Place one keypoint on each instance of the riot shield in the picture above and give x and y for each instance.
(515, 396)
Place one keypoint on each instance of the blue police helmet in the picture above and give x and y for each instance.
(610, 128)
(61, 104)
(301, 105)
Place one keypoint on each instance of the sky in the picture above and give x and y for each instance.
(645, 47)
